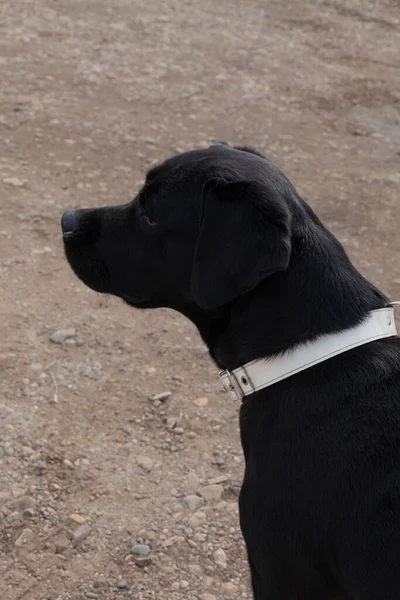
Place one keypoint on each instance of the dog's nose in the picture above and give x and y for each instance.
(69, 222)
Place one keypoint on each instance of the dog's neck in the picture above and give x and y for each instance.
(320, 292)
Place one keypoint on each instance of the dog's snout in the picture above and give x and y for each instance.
(69, 222)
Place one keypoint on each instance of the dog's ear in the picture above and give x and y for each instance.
(244, 237)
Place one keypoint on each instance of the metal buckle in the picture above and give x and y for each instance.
(230, 385)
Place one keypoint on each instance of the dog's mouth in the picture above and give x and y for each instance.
(90, 266)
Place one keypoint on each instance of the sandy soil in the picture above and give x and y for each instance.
(91, 94)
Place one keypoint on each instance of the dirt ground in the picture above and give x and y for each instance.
(91, 94)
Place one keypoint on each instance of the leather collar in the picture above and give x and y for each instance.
(261, 373)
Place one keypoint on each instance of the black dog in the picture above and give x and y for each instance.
(222, 236)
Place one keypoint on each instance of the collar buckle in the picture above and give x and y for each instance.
(230, 385)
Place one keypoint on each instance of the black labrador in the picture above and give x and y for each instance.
(222, 236)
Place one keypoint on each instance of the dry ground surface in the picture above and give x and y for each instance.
(91, 94)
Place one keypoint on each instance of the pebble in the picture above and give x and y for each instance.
(77, 518)
(175, 586)
(220, 556)
(145, 463)
(27, 535)
(208, 597)
(217, 480)
(14, 181)
(8, 450)
(80, 534)
(229, 589)
(142, 561)
(195, 569)
(141, 550)
(162, 397)
(24, 503)
(203, 401)
(62, 335)
(171, 422)
(193, 502)
(122, 585)
(211, 492)
(27, 451)
(14, 519)
(84, 370)
(91, 596)
(199, 518)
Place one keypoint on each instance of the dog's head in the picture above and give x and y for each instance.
(207, 227)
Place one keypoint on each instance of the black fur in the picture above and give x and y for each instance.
(222, 236)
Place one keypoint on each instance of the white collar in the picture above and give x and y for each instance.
(263, 372)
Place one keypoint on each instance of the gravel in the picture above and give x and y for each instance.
(80, 535)
(211, 493)
(141, 549)
(145, 463)
(193, 502)
(26, 536)
(62, 335)
(101, 74)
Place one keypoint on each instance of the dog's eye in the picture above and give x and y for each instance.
(148, 220)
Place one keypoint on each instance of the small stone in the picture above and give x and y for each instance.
(84, 370)
(14, 519)
(183, 584)
(91, 596)
(211, 492)
(80, 534)
(59, 337)
(8, 450)
(195, 569)
(25, 502)
(208, 597)
(27, 535)
(217, 480)
(229, 589)
(193, 502)
(199, 518)
(171, 422)
(27, 451)
(14, 181)
(99, 584)
(201, 402)
(141, 550)
(145, 463)
(142, 561)
(77, 518)
(122, 585)
(162, 397)
(220, 556)
(28, 513)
